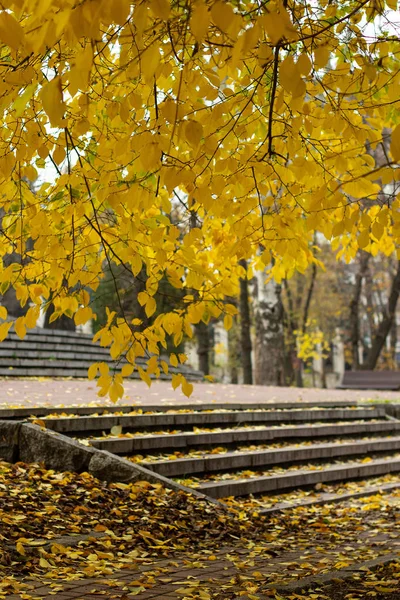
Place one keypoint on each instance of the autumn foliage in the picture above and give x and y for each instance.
(183, 137)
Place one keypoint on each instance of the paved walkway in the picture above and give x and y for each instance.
(228, 573)
(70, 392)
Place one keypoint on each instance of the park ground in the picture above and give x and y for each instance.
(74, 392)
(70, 536)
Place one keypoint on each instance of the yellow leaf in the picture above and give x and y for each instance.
(144, 376)
(304, 64)
(4, 329)
(363, 239)
(23, 99)
(92, 557)
(79, 74)
(136, 264)
(20, 548)
(200, 21)
(173, 359)
(142, 298)
(104, 368)
(187, 388)
(54, 316)
(92, 371)
(377, 230)
(134, 591)
(11, 32)
(150, 307)
(395, 144)
(223, 15)
(3, 312)
(120, 10)
(193, 133)
(44, 564)
(160, 9)
(361, 188)
(116, 430)
(83, 315)
(227, 322)
(277, 24)
(127, 370)
(150, 60)
(116, 391)
(164, 367)
(289, 76)
(176, 380)
(32, 316)
(321, 56)
(19, 327)
(52, 100)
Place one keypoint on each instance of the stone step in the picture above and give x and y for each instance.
(52, 371)
(52, 339)
(256, 459)
(69, 371)
(21, 348)
(173, 420)
(155, 443)
(73, 360)
(298, 479)
(40, 411)
(51, 333)
(52, 354)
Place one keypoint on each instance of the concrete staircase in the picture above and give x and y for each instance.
(53, 353)
(226, 451)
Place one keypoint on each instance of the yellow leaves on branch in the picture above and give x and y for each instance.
(188, 138)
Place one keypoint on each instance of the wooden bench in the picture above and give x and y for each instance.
(370, 380)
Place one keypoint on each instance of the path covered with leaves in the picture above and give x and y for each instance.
(72, 536)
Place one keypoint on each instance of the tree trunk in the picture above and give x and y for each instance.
(369, 303)
(203, 347)
(309, 297)
(393, 344)
(290, 326)
(233, 354)
(269, 346)
(245, 338)
(354, 309)
(386, 323)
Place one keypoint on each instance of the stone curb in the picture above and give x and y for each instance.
(326, 578)
(9, 440)
(30, 443)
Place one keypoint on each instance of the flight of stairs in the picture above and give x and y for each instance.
(226, 450)
(55, 353)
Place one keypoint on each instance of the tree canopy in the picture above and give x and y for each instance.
(182, 137)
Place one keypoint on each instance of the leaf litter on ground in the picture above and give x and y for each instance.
(49, 520)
